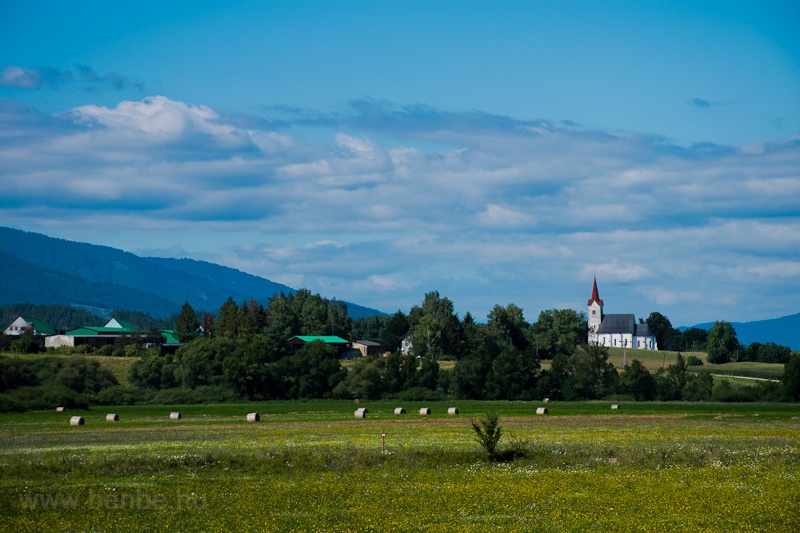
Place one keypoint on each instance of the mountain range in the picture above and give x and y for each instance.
(44, 270)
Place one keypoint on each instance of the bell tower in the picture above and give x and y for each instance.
(594, 314)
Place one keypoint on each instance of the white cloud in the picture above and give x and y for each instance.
(493, 209)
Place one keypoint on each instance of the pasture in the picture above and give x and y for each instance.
(311, 466)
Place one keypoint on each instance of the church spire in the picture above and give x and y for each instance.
(595, 296)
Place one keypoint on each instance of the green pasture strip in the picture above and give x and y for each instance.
(772, 371)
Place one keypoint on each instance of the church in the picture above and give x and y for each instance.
(620, 331)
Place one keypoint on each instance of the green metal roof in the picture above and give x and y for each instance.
(90, 331)
(327, 339)
(169, 335)
(40, 326)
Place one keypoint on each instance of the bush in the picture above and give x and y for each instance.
(488, 432)
(108, 349)
(725, 392)
(49, 397)
(421, 394)
(120, 395)
(9, 404)
(693, 360)
(177, 397)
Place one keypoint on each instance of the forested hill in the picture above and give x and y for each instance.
(45, 270)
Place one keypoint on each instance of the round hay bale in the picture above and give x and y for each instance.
(361, 413)
(541, 410)
(546, 400)
(356, 400)
(253, 417)
(175, 416)
(425, 411)
(111, 417)
(76, 421)
(452, 411)
(399, 411)
(60, 409)
(615, 406)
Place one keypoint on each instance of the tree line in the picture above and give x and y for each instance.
(241, 352)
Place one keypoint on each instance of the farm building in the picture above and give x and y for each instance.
(367, 348)
(97, 336)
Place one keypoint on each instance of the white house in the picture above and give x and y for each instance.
(40, 328)
(618, 330)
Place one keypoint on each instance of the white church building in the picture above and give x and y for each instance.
(616, 331)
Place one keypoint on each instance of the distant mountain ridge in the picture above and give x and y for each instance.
(48, 270)
(784, 331)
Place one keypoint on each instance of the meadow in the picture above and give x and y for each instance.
(311, 466)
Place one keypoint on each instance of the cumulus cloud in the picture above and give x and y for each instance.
(396, 201)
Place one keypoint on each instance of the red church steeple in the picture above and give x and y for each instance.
(595, 296)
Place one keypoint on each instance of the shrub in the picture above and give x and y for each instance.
(10, 404)
(693, 360)
(49, 397)
(488, 432)
(421, 394)
(119, 395)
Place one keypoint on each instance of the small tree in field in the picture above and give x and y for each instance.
(488, 432)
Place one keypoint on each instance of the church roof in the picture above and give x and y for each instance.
(595, 296)
(643, 330)
(617, 324)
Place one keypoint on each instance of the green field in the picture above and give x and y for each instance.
(311, 466)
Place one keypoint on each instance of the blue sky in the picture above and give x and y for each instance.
(496, 152)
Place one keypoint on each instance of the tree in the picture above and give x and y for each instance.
(791, 377)
(227, 323)
(722, 343)
(661, 328)
(186, 325)
(509, 327)
(559, 331)
(393, 330)
(637, 381)
(590, 375)
(312, 372)
(434, 326)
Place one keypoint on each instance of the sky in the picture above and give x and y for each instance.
(374, 151)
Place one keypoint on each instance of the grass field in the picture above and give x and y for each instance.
(311, 466)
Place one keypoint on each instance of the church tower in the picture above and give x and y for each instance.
(594, 314)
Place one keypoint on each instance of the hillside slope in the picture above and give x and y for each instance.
(58, 271)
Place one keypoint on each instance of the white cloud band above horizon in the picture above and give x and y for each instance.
(379, 204)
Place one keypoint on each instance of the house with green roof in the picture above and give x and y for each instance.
(40, 328)
(342, 346)
(98, 336)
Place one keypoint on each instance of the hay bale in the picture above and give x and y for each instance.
(399, 411)
(175, 416)
(356, 400)
(60, 409)
(615, 406)
(546, 400)
(361, 412)
(76, 421)
(541, 410)
(111, 417)
(253, 417)
(452, 411)
(425, 411)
